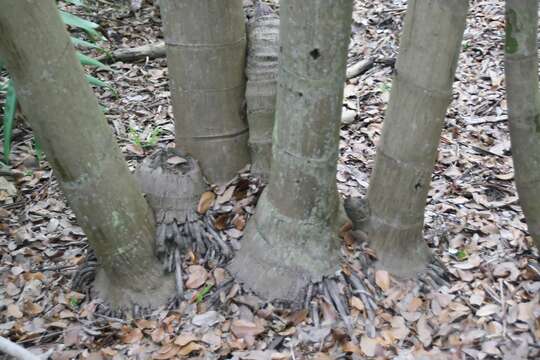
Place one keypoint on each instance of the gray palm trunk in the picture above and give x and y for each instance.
(68, 123)
(521, 73)
(292, 239)
(421, 93)
(206, 49)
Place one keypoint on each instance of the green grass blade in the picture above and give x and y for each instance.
(96, 82)
(75, 21)
(9, 116)
(87, 60)
(37, 150)
(84, 43)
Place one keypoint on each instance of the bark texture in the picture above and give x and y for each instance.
(292, 239)
(85, 158)
(421, 93)
(261, 72)
(521, 71)
(206, 49)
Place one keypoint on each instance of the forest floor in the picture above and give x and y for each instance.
(490, 309)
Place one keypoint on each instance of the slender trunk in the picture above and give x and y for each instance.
(292, 239)
(261, 72)
(206, 45)
(421, 93)
(82, 152)
(521, 70)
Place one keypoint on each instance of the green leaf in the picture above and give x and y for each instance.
(75, 21)
(200, 296)
(96, 82)
(87, 60)
(84, 43)
(9, 116)
(462, 255)
(73, 302)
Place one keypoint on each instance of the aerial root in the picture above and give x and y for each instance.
(194, 235)
(336, 291)
(85, 275)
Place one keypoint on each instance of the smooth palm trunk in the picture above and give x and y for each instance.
(421, 93)
(206, 50)
(292, 239)
(82, 152)
(261, 71)
(521, 70)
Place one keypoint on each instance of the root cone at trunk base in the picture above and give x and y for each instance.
(275, 260)
(173, 184)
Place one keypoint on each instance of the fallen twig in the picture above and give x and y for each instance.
(17, 351)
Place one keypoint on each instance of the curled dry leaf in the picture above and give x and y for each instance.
(243, 328)
(382, 279)
(350, 347)
(506, 269)
(184, 339)
(488, 309)
(219, 275)
(131, 336)
(357, 303)
(168, 351)
(368, 345)
(176, 160)
(189, 348)
(206, 201)
(13, 311)
(32, 308)
(424, 331)
(239, 222)
(197, 276)
(226, 196)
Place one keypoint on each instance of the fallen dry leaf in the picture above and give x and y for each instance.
(206, 201)
(184, 339)
(166, 352)
(189, 348)
(244, 328)
(131, 336)
(368, 345)
(197, 276)
(382, 279)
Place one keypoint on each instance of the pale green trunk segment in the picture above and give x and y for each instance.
(292, 239)
(206, 49)
(421, 93)
(86, 160)
(261, 71)
(521, 70)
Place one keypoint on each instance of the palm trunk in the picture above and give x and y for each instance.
(521, 70)
(421, 93)
(82, 152)
(292, 239)
(206, 45)
(261, 71)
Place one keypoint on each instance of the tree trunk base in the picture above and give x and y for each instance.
(395, 251)
(274, 260)
(402, 261)
(123, 300)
